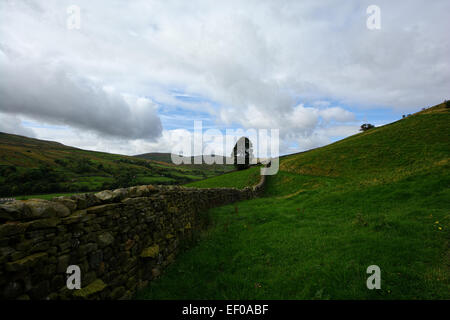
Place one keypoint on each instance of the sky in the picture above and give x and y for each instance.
(133, 76)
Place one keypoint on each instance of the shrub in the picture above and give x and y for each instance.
(7, 170)
(366, 126)
(61, 162)
(83, 165)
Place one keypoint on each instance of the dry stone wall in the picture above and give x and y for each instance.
(120, 239)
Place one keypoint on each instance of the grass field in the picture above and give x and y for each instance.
(206, 168)
(31, 166)
(381, 197)
(236, 179)
(47, 196)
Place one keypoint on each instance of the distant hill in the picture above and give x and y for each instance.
(16, 140)
(32, 166)
(158, 156)
(167, 158)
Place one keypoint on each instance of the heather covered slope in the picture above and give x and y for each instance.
(381, 197)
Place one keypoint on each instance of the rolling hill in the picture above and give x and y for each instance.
(196, 162)
(380, 197)
(157, 156)
(31, 166)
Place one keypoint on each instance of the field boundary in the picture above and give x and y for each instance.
(120, 239)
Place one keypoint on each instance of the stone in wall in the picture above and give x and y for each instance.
(121, 239)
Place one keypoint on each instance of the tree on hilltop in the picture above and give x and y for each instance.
(366, 126)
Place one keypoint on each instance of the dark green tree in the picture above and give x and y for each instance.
(242, 153)
(366, 126)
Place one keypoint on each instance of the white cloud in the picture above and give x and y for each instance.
(53, 94)
(337, 114)
(254, 59)
(13, 124)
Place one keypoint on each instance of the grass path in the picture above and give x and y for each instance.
(235, 179)
(317, 245)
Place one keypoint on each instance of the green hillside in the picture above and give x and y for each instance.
(236, 179)
(31, 166)
(158, 156)
(209, 170)
(381, 197)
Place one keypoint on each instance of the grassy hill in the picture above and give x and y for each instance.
(32, 166)
(380, 197)
(157, 156)
(236, 179)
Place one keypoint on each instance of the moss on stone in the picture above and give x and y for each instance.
(26, 262)
(94, 287)
(169, 236)
(150, 252)
(172, 210)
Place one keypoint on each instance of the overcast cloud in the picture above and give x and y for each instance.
(306, 67)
